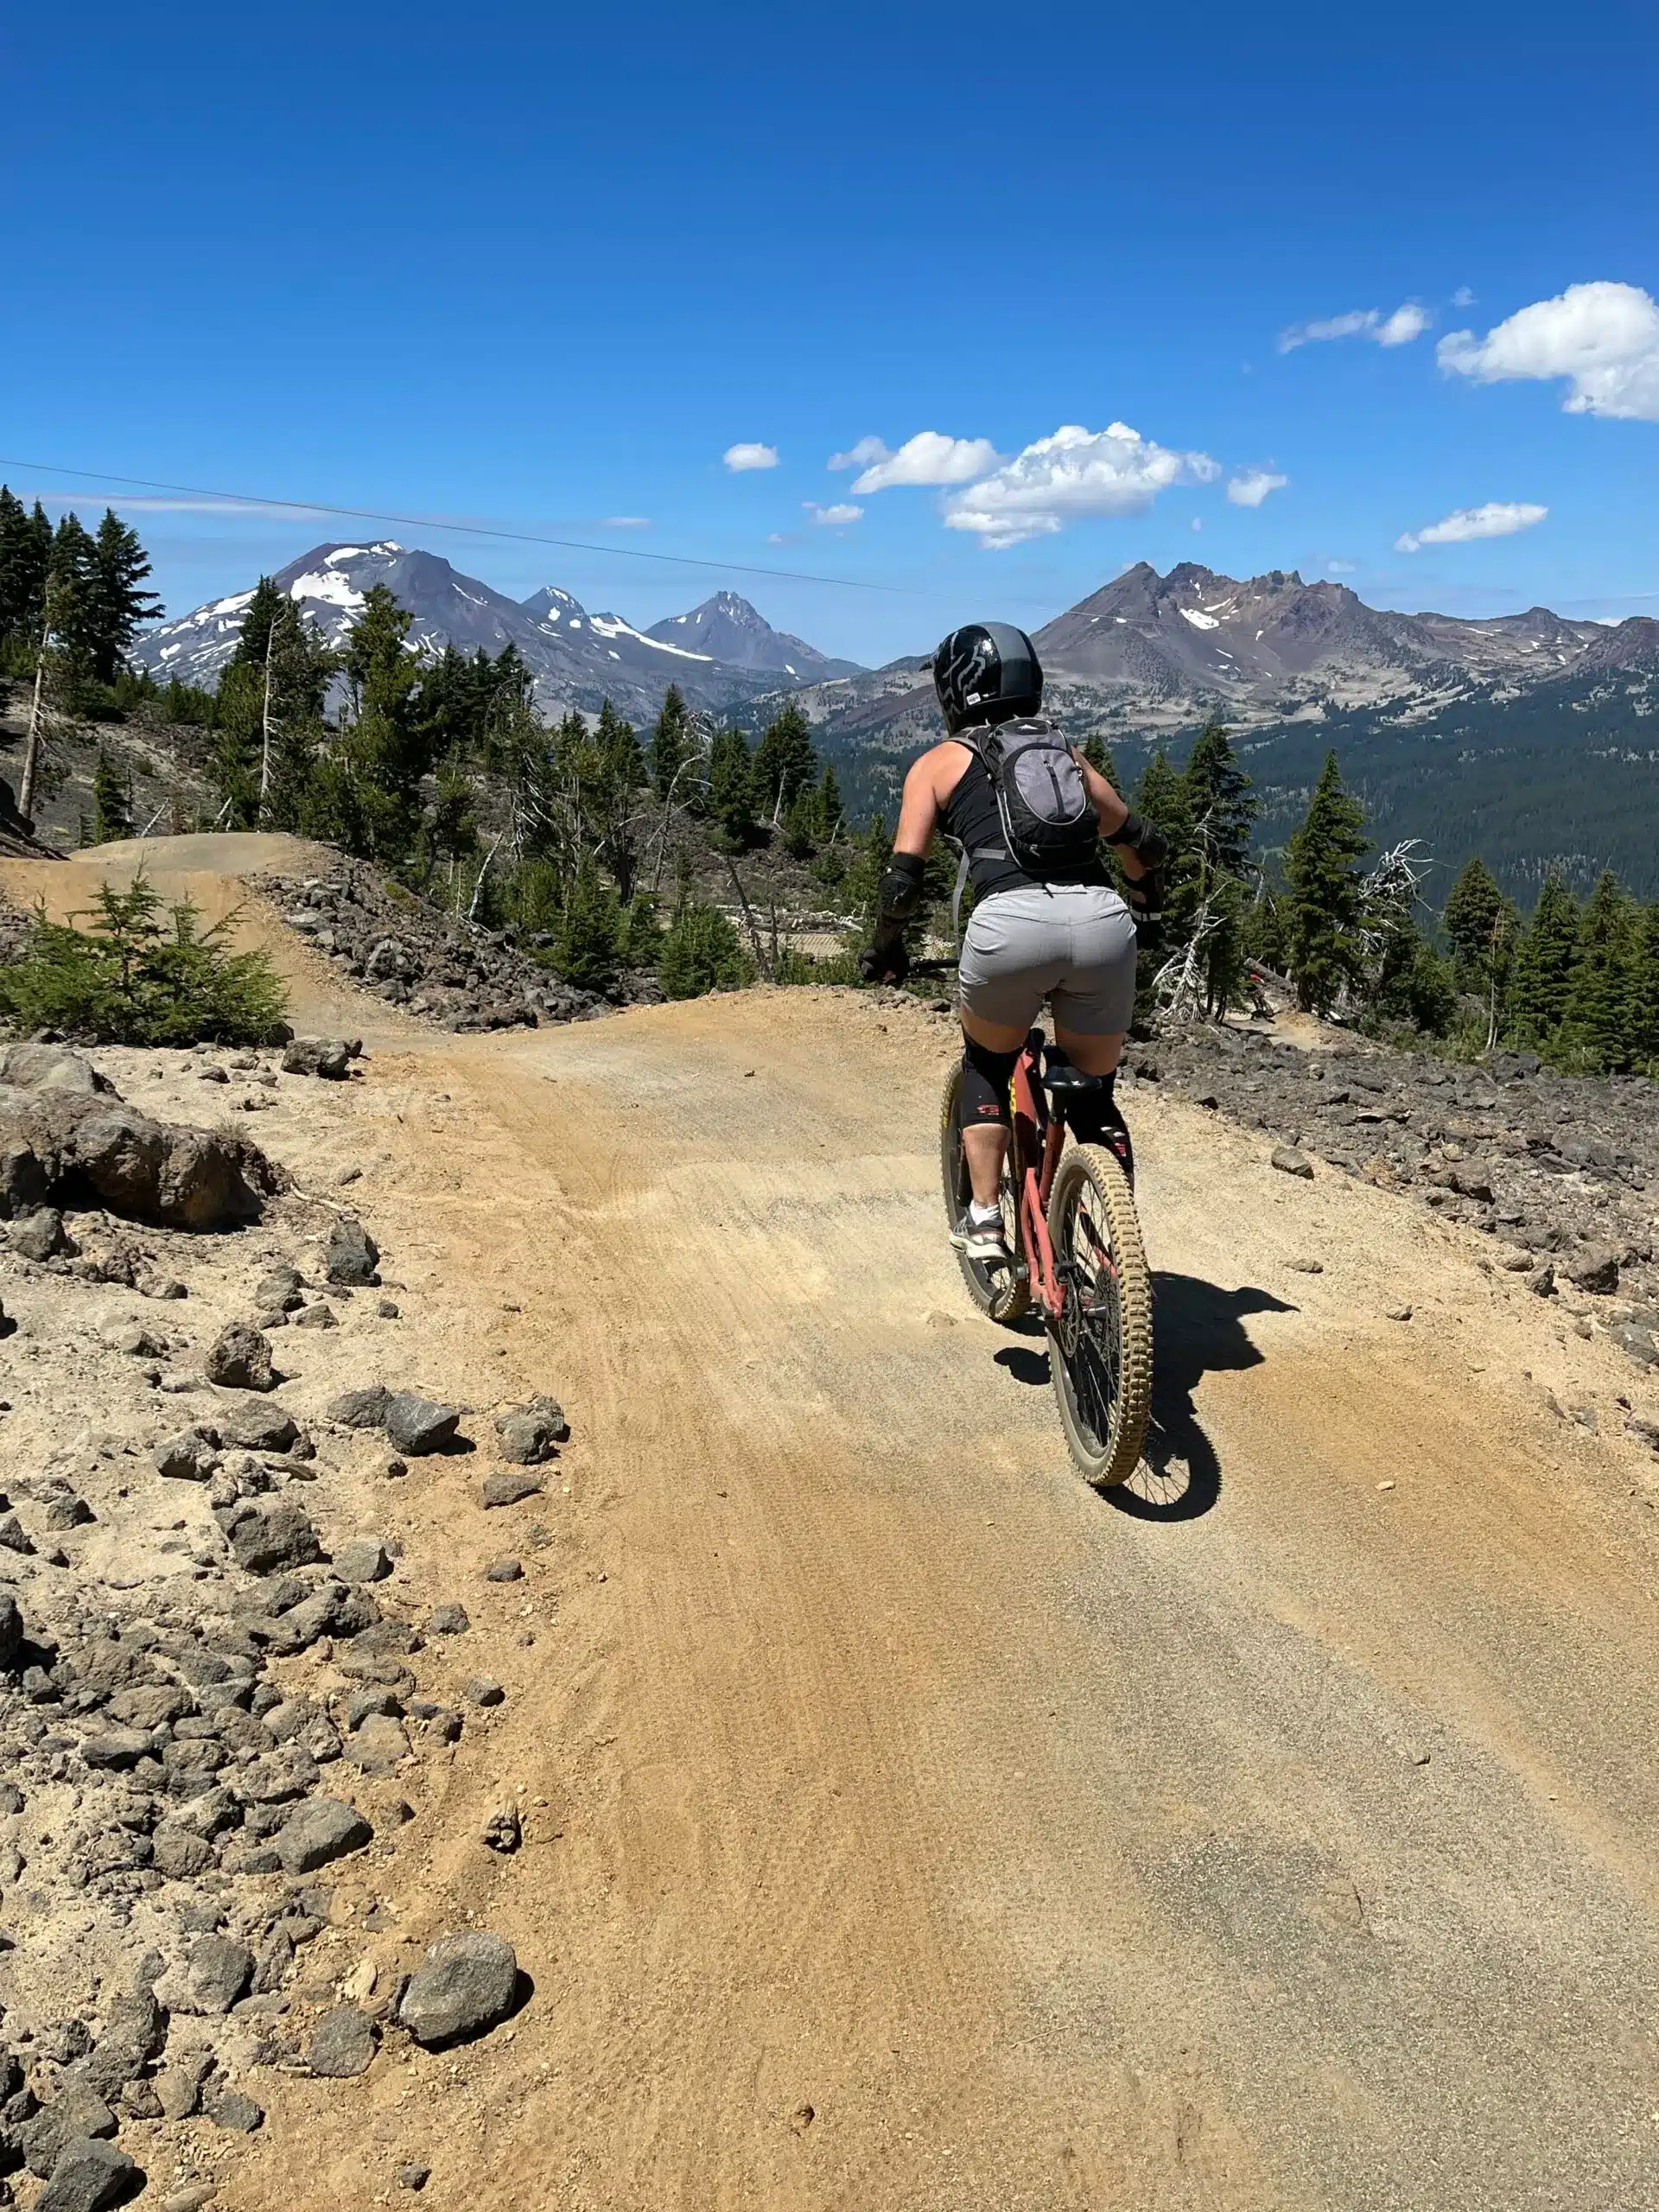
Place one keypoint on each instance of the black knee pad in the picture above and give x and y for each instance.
(985, 1078)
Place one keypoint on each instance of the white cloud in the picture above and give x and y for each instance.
(1408, 322)
(1602, 338)
(1069, 477)
(1497, 519)
(627, 522)
(860, 455)
(843, 513)
(1463, 297)
(930, 458)
(1252, 485)
(1197, 522)
(1339, 567)
(739, 457)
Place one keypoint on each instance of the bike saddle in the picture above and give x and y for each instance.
(1064, 1080)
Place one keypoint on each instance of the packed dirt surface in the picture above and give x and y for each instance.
(905, 1826)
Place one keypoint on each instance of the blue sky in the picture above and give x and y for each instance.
(544, 268)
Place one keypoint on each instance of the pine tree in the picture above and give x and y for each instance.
(828, 818)
(587, 942)
(732, 788)
(1544, 960)
(1163, 798)
(1472, 914)
(1644, 993)
(1098, 755)
(1218, 793)
(25, 551)
(701, 952)
(1596, 1029)
(1326, 899)
(670, 746)
(117, 601)
(378, 765)
(111, 802)
(785, 762)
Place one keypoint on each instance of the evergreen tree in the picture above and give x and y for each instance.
(587, 942)
(1544, 961)
(732, 788)
(71, 584)
(116, 600)
(701, 952)
(1098, 755)
(672, 745)
(1163, 798)
(1223, 808)
(1326, 899)
(376, 772)
(785, 762)
(1596, 1029)
(111, 802)
(25, 553)
(828, 815)
(1470, 917)
(1644, 993)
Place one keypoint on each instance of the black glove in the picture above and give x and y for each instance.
(885, 963)
(1145, 897)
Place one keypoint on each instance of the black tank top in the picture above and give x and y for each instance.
(971, 819)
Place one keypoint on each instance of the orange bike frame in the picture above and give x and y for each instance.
(1038, 1138)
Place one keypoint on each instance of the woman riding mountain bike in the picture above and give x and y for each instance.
(1030, 816)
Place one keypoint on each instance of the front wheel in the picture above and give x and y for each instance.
(1100, 1345)
(1004, 1297)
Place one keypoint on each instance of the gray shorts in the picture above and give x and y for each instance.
(1070, 942)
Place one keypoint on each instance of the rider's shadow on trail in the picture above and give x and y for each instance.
(1197, 1329)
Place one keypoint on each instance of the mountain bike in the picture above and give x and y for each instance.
(1076, 1240)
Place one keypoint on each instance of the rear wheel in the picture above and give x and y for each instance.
(1100, 1348)
(1005, 1297)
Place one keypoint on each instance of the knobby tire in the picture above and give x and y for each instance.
(1100, 1362)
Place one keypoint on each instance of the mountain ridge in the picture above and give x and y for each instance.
(575, 657)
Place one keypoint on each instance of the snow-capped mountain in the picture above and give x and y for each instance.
(721, 654)
(728, 629)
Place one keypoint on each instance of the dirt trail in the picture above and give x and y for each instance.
(909, 1828)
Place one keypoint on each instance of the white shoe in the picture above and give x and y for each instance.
(985, 1242)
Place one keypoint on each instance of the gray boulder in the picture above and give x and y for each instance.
(254, 1427)
(11, 1630)
(511, 1489)
(364, 1560)
(464, 1985)
(1289, 1161)
(54, 1140)
(327, 1057)
(187, 1458)
(41, 1236)
(77, 2113)
(240, 1359)
(213, 1973)
(417, 1425)
(88, 2176)
(529, 1434)
(51, 1067)
(350, 1255)
(1594, 1269)
(269, 1539)
(360, 1409)
(342, 2043)
(320, 1832)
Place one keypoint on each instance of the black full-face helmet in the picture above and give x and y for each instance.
(987, 672)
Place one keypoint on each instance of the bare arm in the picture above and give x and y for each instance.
(918, 812)
(1114, 813)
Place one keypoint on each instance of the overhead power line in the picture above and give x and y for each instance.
(254, 499)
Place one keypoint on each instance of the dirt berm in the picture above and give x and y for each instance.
(908, 1828)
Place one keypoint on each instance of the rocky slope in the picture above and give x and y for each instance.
(225, 1690)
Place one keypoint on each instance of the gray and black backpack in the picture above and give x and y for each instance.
(1047, 814)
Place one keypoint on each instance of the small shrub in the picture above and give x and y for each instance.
(701, 952)
(135, 978)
